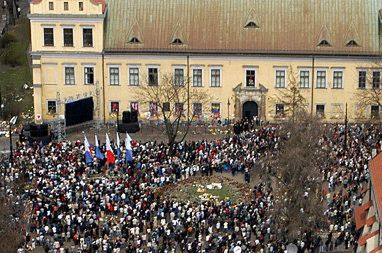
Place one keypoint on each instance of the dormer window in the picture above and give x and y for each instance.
(324, 43)
(251, 24)
(134, 40)
(352, 43)
(177, 41)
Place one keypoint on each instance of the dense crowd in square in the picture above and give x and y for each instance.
(98, 207)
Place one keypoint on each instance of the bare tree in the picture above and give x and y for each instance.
(291, 96)
(170, 97)
(296, 177)
(370, 96)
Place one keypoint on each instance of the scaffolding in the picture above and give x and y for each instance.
(58, 125)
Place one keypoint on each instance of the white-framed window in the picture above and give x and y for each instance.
(304, 78)
(69, 72)
(133, 76)
(48, 36)
(68, 36)
(197, 77)
(215, 76)
(362, 79)
(153, 76)
(321, 79)
(87, 36)
(178, 76)
(114, 75)
(337, 79)
(376, 79)
(280, 78)
(88, 75)
(250, 77)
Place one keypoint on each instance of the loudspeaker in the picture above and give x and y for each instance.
(38, 130)
(134, 116)
(129, 128)
(126, 117)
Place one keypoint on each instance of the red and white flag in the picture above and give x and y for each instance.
(110, 158)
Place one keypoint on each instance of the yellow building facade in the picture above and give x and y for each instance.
(241, 52)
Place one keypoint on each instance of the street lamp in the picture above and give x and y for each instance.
(11, 123)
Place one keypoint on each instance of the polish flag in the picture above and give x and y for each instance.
(110, 158)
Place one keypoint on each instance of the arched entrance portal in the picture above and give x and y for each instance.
(250, 110)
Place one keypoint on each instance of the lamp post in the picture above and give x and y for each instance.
(11, 123)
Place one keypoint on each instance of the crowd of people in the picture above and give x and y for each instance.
(79, 207)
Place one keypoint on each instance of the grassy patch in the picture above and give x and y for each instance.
(15, 70)
(195, 189)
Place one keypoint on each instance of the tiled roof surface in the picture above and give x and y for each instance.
(376, 181)
(360, 214)
(281, 26)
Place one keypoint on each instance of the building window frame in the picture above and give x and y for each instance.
(280, 110)
(198, 81)
(247, 77)
(376, 79)
(133, 75)
(153, 78)
(89, 74)
(52, 107)
(69, 43)
(80, 6)
(134, 106)
(320, 110)
(338, 79)
(216, 78)
(114, 106)
(362, 80)
(114, 72)
(69, 76)
(197, 109)
(51, 6)
(66, 6)
(216, 110)
(87, 40)
(153, 109)
(321, 78)
(48, 42)
(304, 80)
(178, 76)
(375, 111)
(280, 75)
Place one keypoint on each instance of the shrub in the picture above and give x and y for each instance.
(13, 56)
(8, 38)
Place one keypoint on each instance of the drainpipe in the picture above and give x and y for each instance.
(103, 88)
(312, 91)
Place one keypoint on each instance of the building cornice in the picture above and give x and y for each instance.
(67, 17)
(63, 54)
(301, 54)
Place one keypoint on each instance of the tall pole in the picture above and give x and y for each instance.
(346, 126)
(228, 104)
(311, 99)
(10, 145)
(188, 89)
